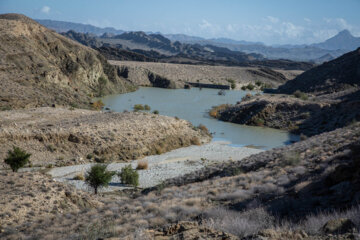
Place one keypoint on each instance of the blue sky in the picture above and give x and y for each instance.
(268, 21)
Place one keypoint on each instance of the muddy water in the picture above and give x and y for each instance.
(193, 105)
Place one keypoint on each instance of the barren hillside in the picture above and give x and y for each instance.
(181, 73)
(40, 67)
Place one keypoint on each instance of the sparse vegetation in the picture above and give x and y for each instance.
(290, 159)
(142, 165)
(203, 128)
(129, 176)
(138, 107)
(98, 177)
(97, 105)
(301, 95)
(79, 177)
(232, 83)
(214, 112)
(147, 107)
(155, 112)
(17, 158)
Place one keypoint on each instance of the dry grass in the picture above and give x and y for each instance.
(79, 176)
(142, 165)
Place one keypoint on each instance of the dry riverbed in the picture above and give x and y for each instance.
(162, 167)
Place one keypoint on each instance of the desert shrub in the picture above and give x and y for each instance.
(259, 83)
(89, 156)
(98, 177)
(142, 165)
(214, 112)
(155, 112)
(147, 107)
(301, 95)
(243, 88)
(195, 141)
(241, 224)
(250, 87)
(129, 176)
(247, 97)
(50, 148)
(313, 223)
(203, 128)
(138, 107)
(79, 176)
(102, 82)
(232, 83)
(98, 105)
(17, 158)
(290, 159)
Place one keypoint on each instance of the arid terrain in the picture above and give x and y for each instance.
(59, 136)
(307, 190)
(222, 75)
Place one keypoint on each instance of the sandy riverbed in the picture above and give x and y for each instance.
(161, 167)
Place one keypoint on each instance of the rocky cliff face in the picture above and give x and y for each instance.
(40, 67)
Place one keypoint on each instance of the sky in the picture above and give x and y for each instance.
(267, 21)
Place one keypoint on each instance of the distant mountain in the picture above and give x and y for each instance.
(61, 26)
(139, 46)
(343, 40)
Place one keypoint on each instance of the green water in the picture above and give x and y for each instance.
(193, 106)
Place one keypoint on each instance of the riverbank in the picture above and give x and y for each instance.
(61, 137)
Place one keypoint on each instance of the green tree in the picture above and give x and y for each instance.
(102, 82)
(129, 176)
(98, 177)
(17, 158)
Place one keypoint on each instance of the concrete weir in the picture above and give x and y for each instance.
(207, 85)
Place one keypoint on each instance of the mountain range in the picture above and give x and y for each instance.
(334, 47)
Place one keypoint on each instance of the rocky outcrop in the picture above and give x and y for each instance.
(188, 230)
(40, 67)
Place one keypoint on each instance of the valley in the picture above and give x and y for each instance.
(105, 137)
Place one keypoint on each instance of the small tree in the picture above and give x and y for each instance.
(129, 176)
(98, 177)
(17, 158)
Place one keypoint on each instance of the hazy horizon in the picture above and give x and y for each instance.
(275, 22)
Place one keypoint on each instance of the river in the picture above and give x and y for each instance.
(193, 105)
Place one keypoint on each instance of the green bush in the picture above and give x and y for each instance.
(301, 95)
(138, 107)
(155, 112)
(17, 158)
(232, 83)
(250, 87)
(243, 88)
(129, 176)
(98, 177)
(147, 107)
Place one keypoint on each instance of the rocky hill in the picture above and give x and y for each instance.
(343, 40)
(334, 76)
(323, 98)
(40, 67)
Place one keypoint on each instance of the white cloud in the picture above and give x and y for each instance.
(307, 20)
(205, 24)
(45, 9)
(272, 19)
